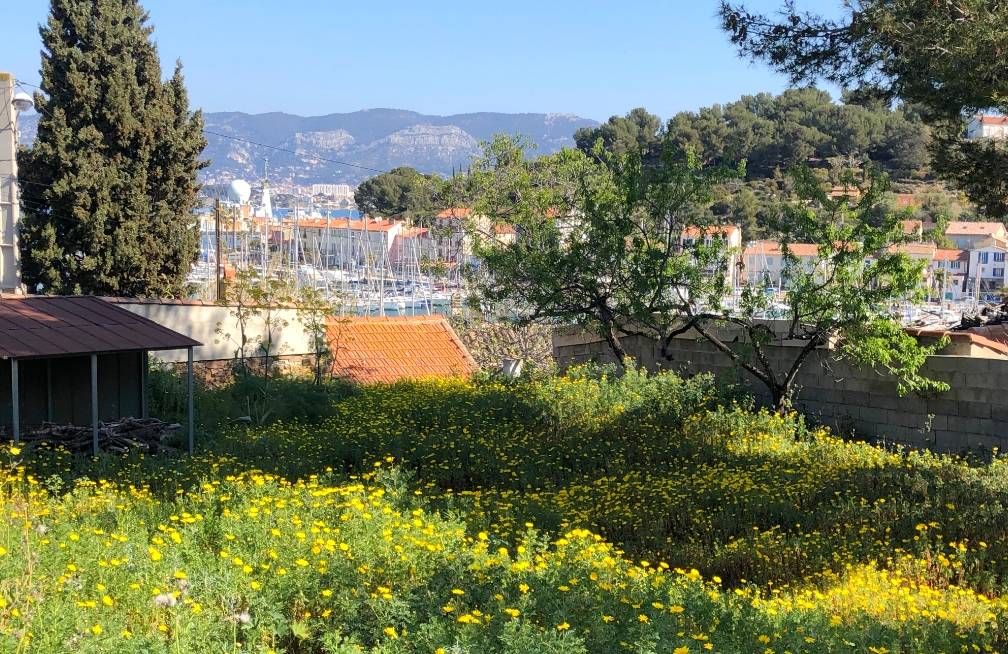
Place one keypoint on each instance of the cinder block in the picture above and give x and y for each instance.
(974, 409)
(962, 425)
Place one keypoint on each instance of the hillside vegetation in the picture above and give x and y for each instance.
(583, 513)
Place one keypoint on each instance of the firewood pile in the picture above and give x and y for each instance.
(125, 435)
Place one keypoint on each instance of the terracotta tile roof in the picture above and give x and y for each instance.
(504, 229)
(911, 226)
(385, 350)
(773, 248)
(973, 228)
(922, 249)
(993, 338)
(50, 325)
(946, 254)
(989, 119)
(727, 230)
(454, 212)
(904, 200)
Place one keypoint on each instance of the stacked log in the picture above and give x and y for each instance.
(125, 435)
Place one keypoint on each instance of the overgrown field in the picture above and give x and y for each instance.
(572, 514)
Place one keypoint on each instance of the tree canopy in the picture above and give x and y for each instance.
(945, 57)
(601, 241)
(400, 191)
(110, 182)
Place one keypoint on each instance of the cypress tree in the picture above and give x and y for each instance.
(110, 182)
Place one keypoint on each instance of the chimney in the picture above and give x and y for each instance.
(10, 206)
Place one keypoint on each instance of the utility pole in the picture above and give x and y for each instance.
(217, 248)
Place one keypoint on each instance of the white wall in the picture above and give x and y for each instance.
(201, 321)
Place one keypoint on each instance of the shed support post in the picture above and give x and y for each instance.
(189, 383)
(48, 388)
(94, 404)
(15, 402)
(144, 387)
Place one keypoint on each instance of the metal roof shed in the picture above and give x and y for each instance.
(45, 340)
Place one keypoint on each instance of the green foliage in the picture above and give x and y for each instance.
(599, 237)
(315, 311)
(109, 184)
(715, 526)
(628, 246)
(402, 191)
(774, 133)
(941, 57)
(843, 295)
(253, 399)
(637, 131)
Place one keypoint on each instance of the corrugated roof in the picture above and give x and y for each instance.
(376, 350)
(47, 326)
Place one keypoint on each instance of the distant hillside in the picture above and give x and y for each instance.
(373, 138)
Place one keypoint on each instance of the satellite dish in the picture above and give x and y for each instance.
(22, 101)
(239, 191)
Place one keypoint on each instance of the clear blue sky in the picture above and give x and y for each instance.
(594, 58)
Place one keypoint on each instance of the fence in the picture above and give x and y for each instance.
(973, 415)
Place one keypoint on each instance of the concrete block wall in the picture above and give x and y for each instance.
(201, 322)
(972, 415)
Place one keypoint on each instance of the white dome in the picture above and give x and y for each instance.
(239, 191)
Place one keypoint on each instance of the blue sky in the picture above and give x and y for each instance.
(593, 58)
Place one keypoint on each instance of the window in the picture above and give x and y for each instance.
(999, 257)
(998, 272)
(983, 257)
(954, 265)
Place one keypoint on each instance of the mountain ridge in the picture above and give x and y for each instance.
(365, 140)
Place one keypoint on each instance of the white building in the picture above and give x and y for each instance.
(987, 126)
(763, 262)
(986, 275)
(948, 272)
(333, 190)
(967, 235)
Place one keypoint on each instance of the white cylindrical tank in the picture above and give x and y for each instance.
(239, 191)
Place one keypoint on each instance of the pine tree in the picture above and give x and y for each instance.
(109, 184)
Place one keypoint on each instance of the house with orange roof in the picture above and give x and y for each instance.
(948, 271)
(763, 262)
(730, 235)
(387, 350)
(967, 235)
(987, 126)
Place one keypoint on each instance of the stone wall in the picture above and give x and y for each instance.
(973, 415)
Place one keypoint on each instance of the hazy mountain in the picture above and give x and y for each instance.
(374, 138)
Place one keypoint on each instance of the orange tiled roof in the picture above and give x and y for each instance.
(904, 200)
(973, 228)
(727, 230)
(948, 254)
(386, 350)
(454, 212)
(911, 226)
(925, 249)
(988, 119)
(773, 248)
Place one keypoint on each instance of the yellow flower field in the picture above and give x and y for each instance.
(567, 515)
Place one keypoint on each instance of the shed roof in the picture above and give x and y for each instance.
(52, 326)
(385, 350)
